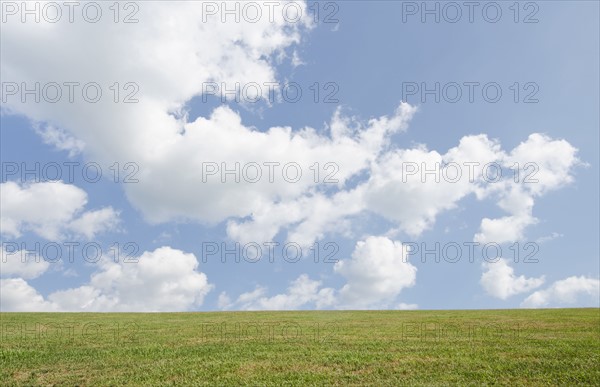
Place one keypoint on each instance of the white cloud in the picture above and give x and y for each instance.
(544, 165)
(224, 301)
(499, 280)
(403, 306)
(400, 190)
(171, 63)
(171, 54)
(52, 210)
(60, 139)
(224, 139)
(165, 279)
(296, 60)
(412, 201)
(92, 223)
(17, 296)
(548, 238)
(571, 291)
(554, 159)
(307, 218)
(376, 273)
(302, 292)
(503, 230)
(21, 263)
(375, 276)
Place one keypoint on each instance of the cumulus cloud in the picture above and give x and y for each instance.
(411, 187)
(301, 292)
(52, 210)
(172, 62)
(16, 295)
(569, 292)
(167, 60)
(499, 280)
(375, 275)
(165, 279)
(21, 263)
(538, 165)
(401, 190)
(505, 229)
(222, 139)
(553, 159)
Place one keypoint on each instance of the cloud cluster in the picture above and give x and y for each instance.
(167, 59)
(540, 165)
(500, 281)
(301, 292)
(566, 293)
(171, 64)
(162, 280)
(52, 210)
(16, 295)
(17, 263)
(399, 189)
(375, 275)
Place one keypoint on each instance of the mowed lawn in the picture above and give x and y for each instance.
(383, 348)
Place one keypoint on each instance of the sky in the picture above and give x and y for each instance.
(201, 156)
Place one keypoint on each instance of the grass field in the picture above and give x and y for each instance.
(507, 347)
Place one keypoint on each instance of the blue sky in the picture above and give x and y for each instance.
(370, 55)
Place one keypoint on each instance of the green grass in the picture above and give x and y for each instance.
(383, 348)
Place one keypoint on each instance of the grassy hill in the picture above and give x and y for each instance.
(384, 348)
